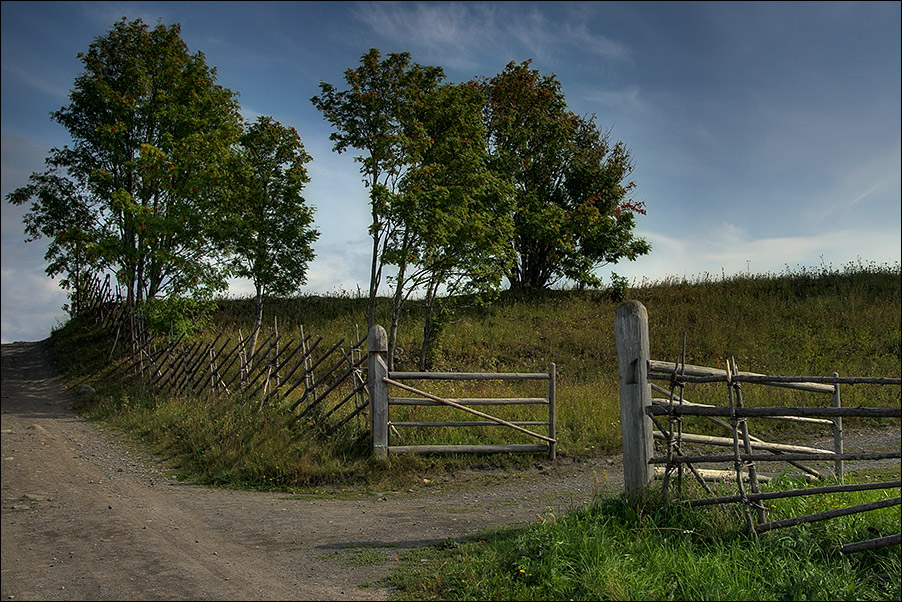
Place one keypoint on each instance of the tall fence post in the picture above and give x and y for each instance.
(377, 370)
(631, 333)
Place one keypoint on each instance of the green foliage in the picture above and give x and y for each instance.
(619, 288)
(440, 216)
(370, 116)
(573, 209)
(268, 227)
(267, 230)
(151, 131)
(177, 316)
(618, 549)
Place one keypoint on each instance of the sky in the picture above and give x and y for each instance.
(765, 137)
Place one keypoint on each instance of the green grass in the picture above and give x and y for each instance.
(811, 322)
(808, 322)
(616, 549)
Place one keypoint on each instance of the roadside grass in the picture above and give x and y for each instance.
(621, 549)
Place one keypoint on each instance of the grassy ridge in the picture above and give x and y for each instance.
(803, 323)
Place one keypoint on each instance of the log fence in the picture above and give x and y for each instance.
(324, 387)
(641, 416)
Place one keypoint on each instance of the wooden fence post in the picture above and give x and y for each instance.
(377, 370)
(631, 333)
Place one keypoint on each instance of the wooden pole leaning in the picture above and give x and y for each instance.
(631, 333)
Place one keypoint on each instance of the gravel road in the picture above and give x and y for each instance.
(85, 518)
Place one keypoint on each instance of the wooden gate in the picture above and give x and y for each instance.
(380, 379)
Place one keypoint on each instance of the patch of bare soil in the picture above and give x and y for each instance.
(84, 518)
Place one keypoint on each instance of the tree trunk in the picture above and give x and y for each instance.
(258, 320)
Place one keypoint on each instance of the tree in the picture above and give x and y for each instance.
(268, 229)
(454, 214)
(433, 201)
(151, 131)
(573, 211)
(367, 116)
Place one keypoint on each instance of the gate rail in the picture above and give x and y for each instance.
(380, 379)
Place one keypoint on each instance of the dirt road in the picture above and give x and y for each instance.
(84, 518)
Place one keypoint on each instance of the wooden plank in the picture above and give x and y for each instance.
(870, 544)
(470, 423)
(774, 411)
(774, 495)
(703, 371)
(827, 457)
(789, 522)
(466, 449)
(631, 337)
(468, 376)
(419, 401)
(666, 402)
(713, 475)
(726, 441)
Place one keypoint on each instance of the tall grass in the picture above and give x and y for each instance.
(617, 549)
(808, 322)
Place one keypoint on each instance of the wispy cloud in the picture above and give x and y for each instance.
(461, 35)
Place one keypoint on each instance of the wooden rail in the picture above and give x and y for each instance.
(380, 380)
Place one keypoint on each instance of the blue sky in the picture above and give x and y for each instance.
(765, 136)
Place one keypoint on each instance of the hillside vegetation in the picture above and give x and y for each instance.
(808, 322)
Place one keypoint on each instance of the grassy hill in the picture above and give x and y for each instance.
(810, 322)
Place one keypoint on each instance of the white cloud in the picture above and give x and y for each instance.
(31, 304)
(727, 250)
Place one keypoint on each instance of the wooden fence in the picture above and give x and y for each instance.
(322, 384)
(640, 413)
(380, 379)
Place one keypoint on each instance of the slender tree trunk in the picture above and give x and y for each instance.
(374, 281)
(428, 328)
(258, 320)
(397, 302)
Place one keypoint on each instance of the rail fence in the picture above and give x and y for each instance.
(323, 384)
(641, 424)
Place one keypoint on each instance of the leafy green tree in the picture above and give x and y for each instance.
(368, 116)
(438, 213)
(454, 213)
(268, 231)
(135, 192)
(573, 211)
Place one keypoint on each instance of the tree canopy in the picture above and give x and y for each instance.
(435, 205)
(151, 133)
(469, 183)
(368, 116)
(573, 209)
